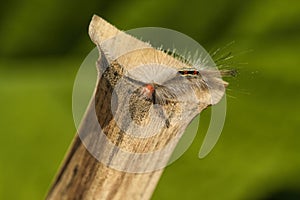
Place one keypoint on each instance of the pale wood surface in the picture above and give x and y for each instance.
(82, 176)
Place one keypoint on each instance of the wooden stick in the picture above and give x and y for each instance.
(82, 176)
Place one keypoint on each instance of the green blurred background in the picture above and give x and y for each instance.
(42, 44)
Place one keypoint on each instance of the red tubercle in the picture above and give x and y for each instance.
(148, 90)
(150, 87)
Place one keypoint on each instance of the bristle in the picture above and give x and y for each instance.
(228, 72)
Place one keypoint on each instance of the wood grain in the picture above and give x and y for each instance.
(82, 176)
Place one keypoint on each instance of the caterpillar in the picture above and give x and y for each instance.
(155, 84)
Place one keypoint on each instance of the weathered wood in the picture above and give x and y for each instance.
(82, 176)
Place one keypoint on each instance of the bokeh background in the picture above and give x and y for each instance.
(42, 44)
